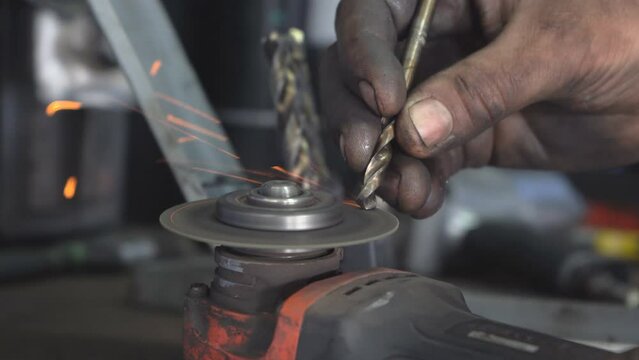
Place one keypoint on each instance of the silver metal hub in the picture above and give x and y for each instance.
(279, 206)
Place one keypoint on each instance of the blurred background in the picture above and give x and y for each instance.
(87, 272)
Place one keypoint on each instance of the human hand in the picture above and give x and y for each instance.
(554, 85)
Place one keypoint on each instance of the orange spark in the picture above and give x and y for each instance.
(189, 125)
(155, 67)
(210, 171)
(127, 106)
(200, 164)
(186, 133)
(70, 187)
(185, 139)
(293, 175)
(201, 140)
(259, 173)
(182, 104)
(58, 105)
(351, 203)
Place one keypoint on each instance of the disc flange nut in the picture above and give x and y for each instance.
(279, 206)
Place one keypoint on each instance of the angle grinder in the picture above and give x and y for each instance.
(278, 292)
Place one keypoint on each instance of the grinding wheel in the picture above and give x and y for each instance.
(250, 219)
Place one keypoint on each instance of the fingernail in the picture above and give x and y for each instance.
(433, 121)
(367, 92)
(341, 146)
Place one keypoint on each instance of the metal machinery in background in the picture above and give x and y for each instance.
(172, 100)
(295, 104)
(60, 172)
(272, 291)
(278, 291)
(138, 47)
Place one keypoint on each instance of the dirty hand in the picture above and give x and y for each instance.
(538, 84)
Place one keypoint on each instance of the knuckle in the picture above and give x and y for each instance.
(342, 10)
(482, 94)
(602, 65)
(346, 19)
(561, 25)
(402, 11)
(494, 15)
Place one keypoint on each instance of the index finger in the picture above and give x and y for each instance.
(367, 35)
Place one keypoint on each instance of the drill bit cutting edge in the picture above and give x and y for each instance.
(383, 151)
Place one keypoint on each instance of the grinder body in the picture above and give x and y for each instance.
(278, 293)
(378, 314)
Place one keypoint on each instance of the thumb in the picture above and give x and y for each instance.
(462, 101)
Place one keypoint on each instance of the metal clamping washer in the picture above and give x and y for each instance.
(279, 206)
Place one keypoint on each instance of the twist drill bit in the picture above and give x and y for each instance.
(383, 151)
(293, 98)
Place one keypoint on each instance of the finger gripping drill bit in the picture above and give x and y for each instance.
(383, 151)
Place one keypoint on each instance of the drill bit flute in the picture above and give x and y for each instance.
(293, 98)
(383, 151)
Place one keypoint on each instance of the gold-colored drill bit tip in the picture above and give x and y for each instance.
(383, 151)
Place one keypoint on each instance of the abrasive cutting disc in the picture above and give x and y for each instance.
(198, 221)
